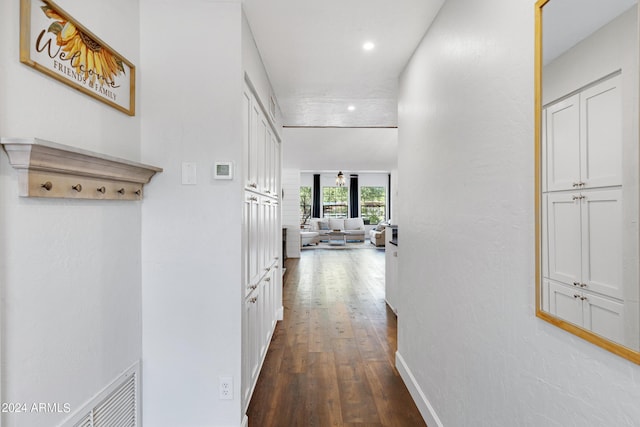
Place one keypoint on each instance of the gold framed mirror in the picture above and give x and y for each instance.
(587, 162)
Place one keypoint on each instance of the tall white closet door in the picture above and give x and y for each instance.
(601, 134)
(263, 129)
(278, 170)
(543, 152)
(246, 133)
(602, 241)
(253, 249)
(564, 245)
(252, 169)
(267, 161)
(563, 144)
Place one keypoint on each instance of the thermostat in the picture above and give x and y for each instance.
(223, 170)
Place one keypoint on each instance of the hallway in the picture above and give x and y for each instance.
(331, 360)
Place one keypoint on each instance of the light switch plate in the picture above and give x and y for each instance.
(189, 175)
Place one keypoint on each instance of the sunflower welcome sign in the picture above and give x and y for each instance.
(52, 42)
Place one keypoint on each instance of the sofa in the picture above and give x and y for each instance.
(377, 235)
(352, 227)
(309, 238)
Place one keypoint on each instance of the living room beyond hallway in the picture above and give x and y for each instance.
(331, 360)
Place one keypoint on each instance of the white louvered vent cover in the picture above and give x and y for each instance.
(116, 406)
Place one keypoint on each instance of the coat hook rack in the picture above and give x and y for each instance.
(49, 169)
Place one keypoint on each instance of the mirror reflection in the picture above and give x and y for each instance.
(589, 235)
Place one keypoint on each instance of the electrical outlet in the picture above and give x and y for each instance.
(226, 388)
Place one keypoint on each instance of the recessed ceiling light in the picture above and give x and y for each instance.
(351, 107)
(368, 46)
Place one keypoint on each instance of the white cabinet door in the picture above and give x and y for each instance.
(266, 160)
(264, 235)
(601, 134)
(565, 303)
(277, 171)
(253, 233)
(544, 242)
(602, 241)
(263, 131)
(564, 242)
(246, 133)
(563, 144)
(254, 143)
(251, 331)
(604, 317)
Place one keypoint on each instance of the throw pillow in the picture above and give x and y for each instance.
(381, 226)
(336, 224)
(323, 225)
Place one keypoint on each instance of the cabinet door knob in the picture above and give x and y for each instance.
(583, 298)
(583, 285)
(575, 184)
(576, 284)
(576, 295)
(268, 279)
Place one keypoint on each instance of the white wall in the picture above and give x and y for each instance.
(353, 149)
(611, 48)
(69, 270)
(290, 207)
(468, 338)
(191, 111)
(394, 197)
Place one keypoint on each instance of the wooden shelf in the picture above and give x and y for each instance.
(48, 169)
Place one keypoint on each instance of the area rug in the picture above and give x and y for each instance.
(350, 245)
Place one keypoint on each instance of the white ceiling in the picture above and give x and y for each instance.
(313, 54)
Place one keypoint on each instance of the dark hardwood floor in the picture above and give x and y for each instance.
(331, 360)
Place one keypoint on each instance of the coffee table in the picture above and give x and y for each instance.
(337, 238)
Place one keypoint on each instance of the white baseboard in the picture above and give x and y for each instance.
(245, 421)
(280, 313)
(424, 406)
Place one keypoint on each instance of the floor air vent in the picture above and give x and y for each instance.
(115, 406)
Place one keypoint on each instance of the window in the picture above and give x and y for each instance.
(335, 202)
(373, 204)
(305, 204)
